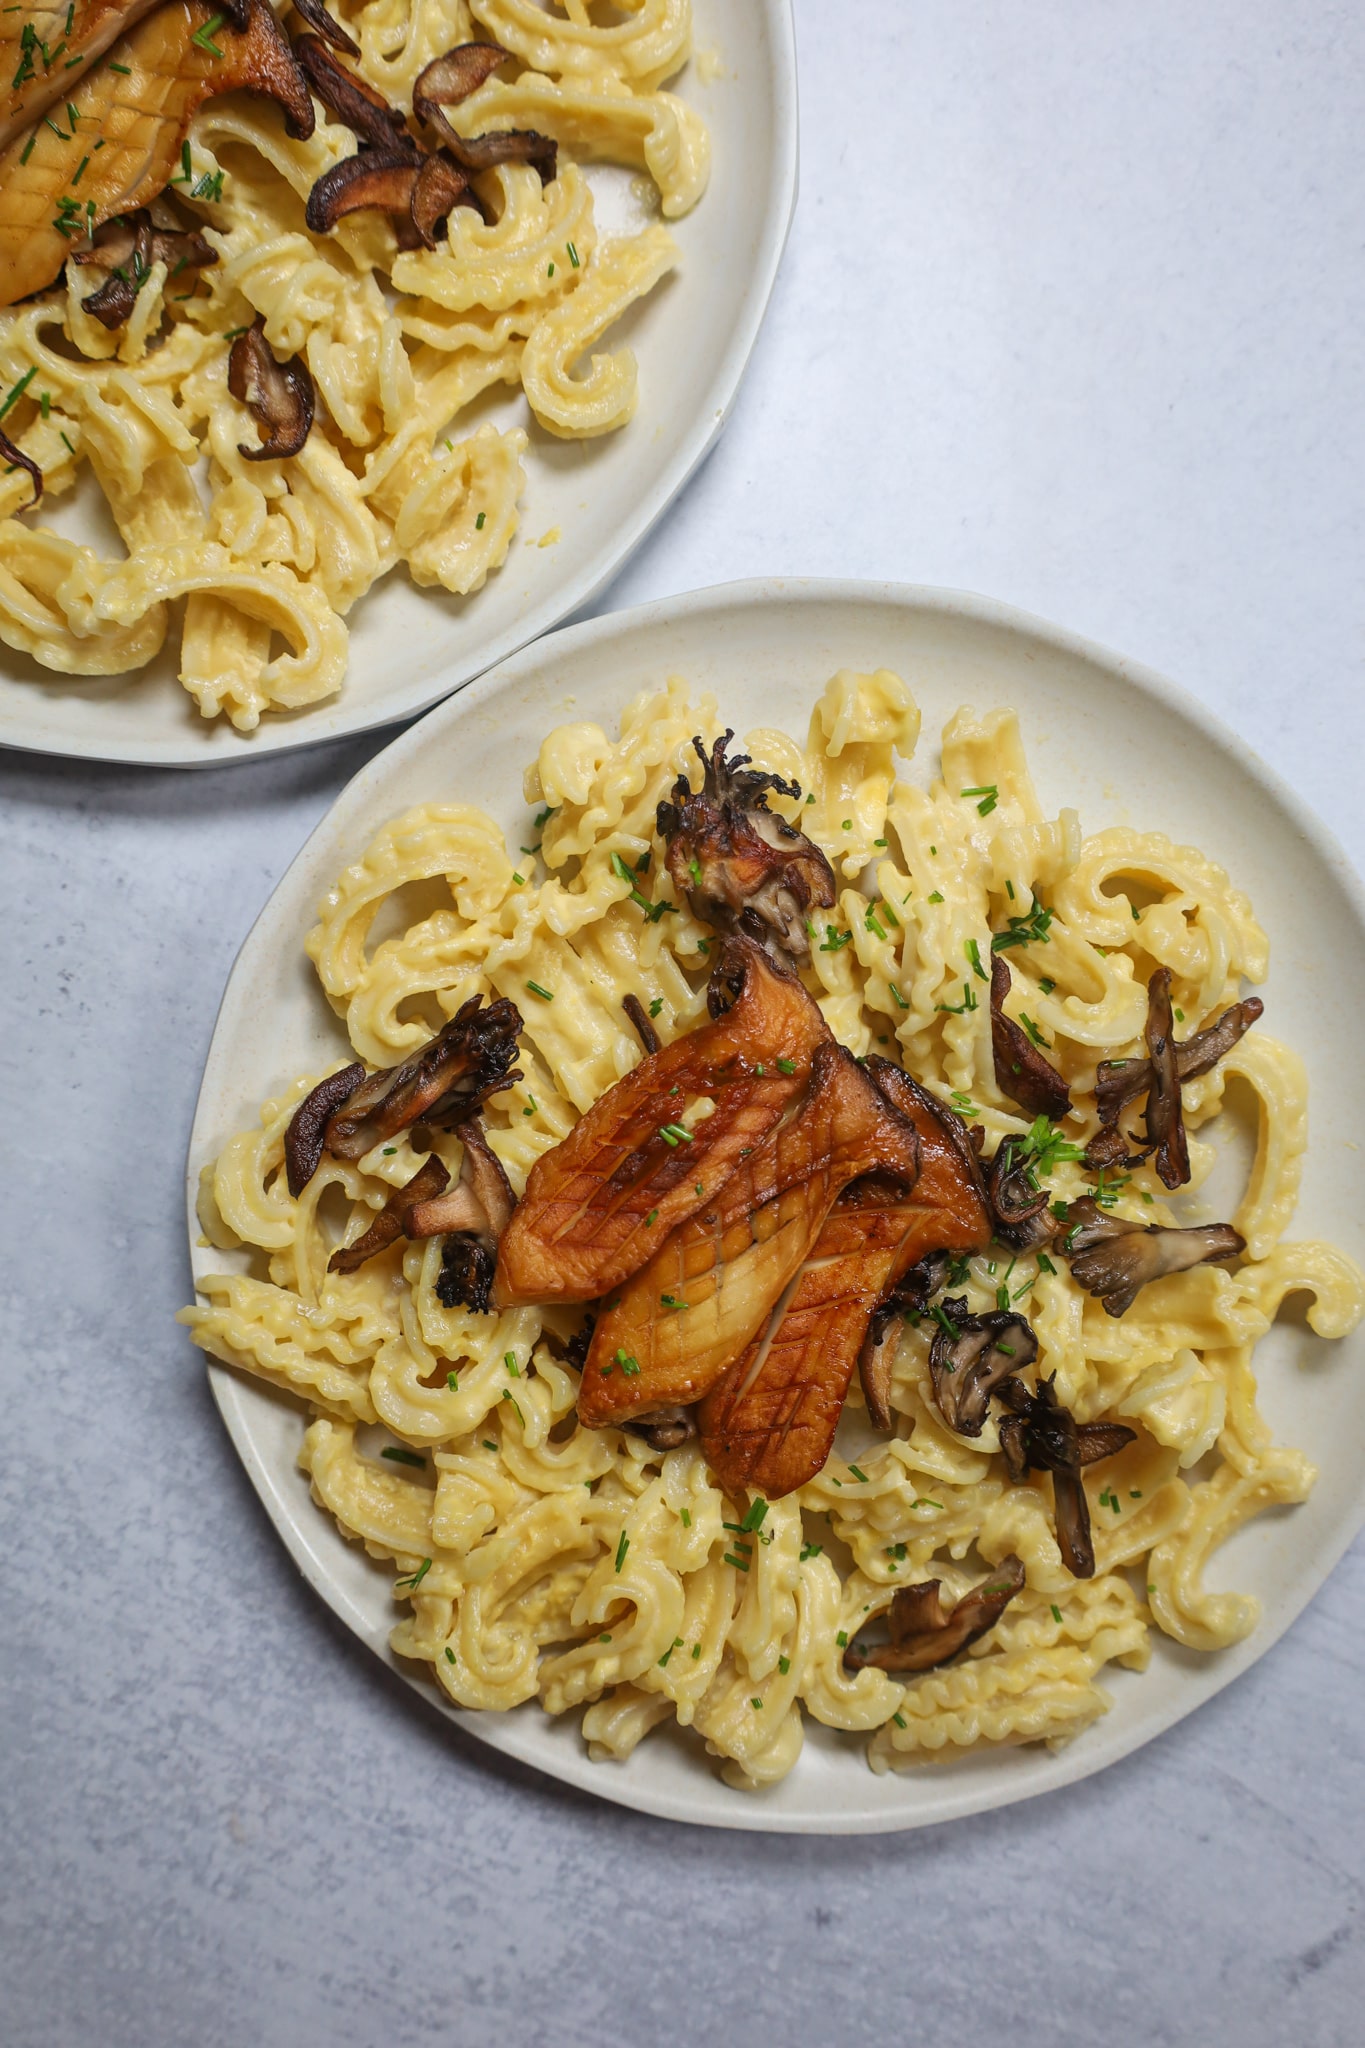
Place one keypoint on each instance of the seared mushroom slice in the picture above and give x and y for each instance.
(1114, 1259)
(1119, 1082)
(450, 79)
(392, 1221)
(1021, 1072)
(440, 186)
(663, 1429)
(126, 247)
(316, 15)
(923, 1636)
(473, 1217)
(307, 1132)
(384, 179)
(578, 1346)
(15, 458)
(469, 1059)
(1040, 1435)
(352, 99)
(1165, 1122)
(969, 1358)
(1021, 1210)
(279, 396)
(910, 1296)
(742, 866)
(647, 1035)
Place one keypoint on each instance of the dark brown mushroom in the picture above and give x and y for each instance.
(15, 458)
(382, 179)
(440, 186)
(663, 1429)
(279, 396)
(1119, 1082)
(1021, 1072)
(1039, 1434)
(473, 1217)
(469, 1059)
(969, 1358)
(353, 100)
(266, 63)
(304, 1139)
(450, 79)
(635, 1010)
(742, 866)
(392, 1221)
(1020, 1208)
(316, 15)
(910, 1296)
(923, 1636)
(1114, 1259)
(1165, 1121)
(126, 246)
(578, 1346)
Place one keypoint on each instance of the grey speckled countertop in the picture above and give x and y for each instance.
(1071, 315)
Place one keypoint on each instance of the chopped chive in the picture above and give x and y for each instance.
(900, 1720)
(509, 1360)
(897, 996)
(656, 1006)
(628, 1365)
(756, 1703)
(685, 1517)
(453, 1382)
(989, 794)
(879, 842)
(755, 1517)
(27, 150)
(546, 995)
(740, 1563)
(870, 920)
(123, 68)
(520, 880)
(450, 1655)
(784, 1665)
(415, 1579)
(478, 523)
(531, 1106)
(204, 36)
(1034, 1033)
(573, 254)
(622, 1547)
(488, 1443)
(675, 1135)
(696, 1649)
(551, 271)
(858, 1473)
(810, 1550)
(507, 1396)
(400, 1456)
(672, 1301)
(847, 825)
(936, 896)
(652, 1217)
(834, 940)
(973, 952)
(842, 1639)
(63, 435)
(1056, 1612)
(786, 1066)
(676, 1644)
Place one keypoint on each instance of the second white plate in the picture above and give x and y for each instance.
(1113, 740)
(693, 338)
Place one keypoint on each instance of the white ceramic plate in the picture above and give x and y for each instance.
(693, 337)
(1102, 734)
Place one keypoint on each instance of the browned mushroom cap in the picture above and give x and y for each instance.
(635, 1010)
(1021, 1072)
(1114, 1259)
(392, 1221)
(1020, 1208)
(15, 458)
(303, 1141)
(264, 53)
(1041, 1435)
(970, 1356)
(354, 102)
(316, 15)
(385, 179)
(741, 866)
(279, 396)
(923, 1636)
(909, 1296)
(1119, 1082)
(440, 185)
(663, 1429)
(124, 248)
(1165, 1122)
(452, 78)
(474, 1216)
(469, 1059)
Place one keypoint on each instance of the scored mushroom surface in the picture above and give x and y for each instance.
(1039, 1434)
(741, 866)
(923, 1636)
(279, 396)
(1119, 1082)
(969, 1358)
(1021, 1072)
(1114, 1259)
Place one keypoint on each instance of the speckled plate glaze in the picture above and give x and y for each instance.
(1102, 734)
(693, 337)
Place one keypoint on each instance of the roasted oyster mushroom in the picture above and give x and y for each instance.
(1021, 1209)
(741, 866)
(1021, 1072)
(970, 1356)
(1038, 1434)
(452, 78)
(1114, 1258)
(910, 1296)
(306, 1135)
(644, 1030)
(1165, 1119)
(923, 1636)
(317, 17)
(663, 1429)
(351, 98)
(392, 1222)
(1119, 1082)
(125, 248)
(473, 1216)
(279, 396)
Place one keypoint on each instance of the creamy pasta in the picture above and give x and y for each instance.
(534, 1558)
(265, 560)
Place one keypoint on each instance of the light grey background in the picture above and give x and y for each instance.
(1071, 315)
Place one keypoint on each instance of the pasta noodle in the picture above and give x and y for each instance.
(539, 1559)
(399, 345)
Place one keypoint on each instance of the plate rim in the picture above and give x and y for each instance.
(537, 621)
(508, 1733)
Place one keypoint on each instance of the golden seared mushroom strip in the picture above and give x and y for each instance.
(136, 105)
(741, 866)
(770, 1422)
(393, 1220)
(682, 1319)
(923, 1636)
(1021, 1072)
(632, 1169)
(1114, 1258)
(47, 47)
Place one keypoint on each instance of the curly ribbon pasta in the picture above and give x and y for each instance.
(536, 1559)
